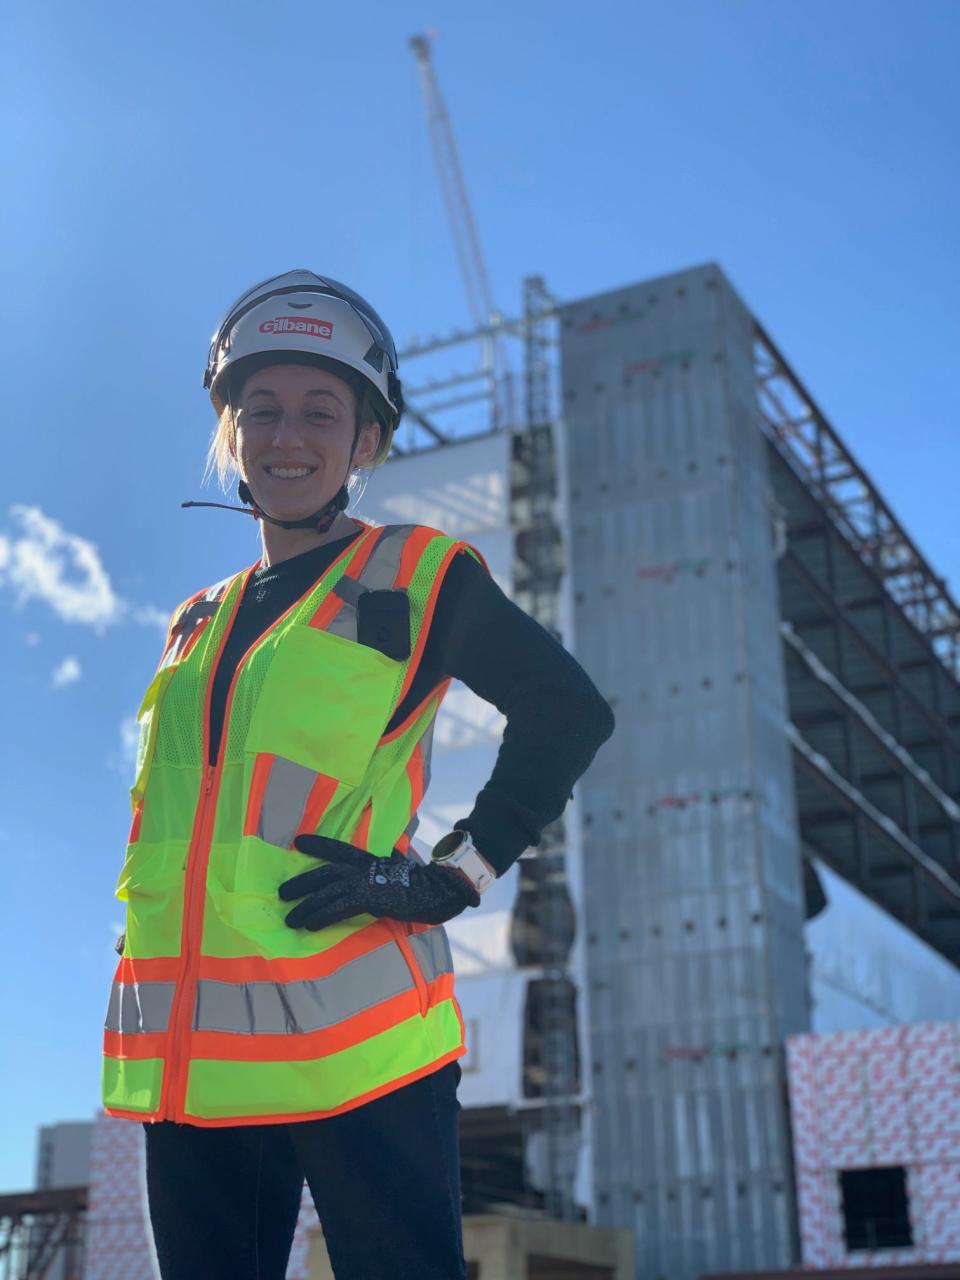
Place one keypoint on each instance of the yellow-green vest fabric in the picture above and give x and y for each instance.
(220, 1014)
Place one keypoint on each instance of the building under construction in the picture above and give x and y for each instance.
(768, 848)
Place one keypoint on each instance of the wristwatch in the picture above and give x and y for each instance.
(458, 850)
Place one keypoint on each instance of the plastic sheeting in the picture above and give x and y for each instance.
(868, 970)
(492, 1005)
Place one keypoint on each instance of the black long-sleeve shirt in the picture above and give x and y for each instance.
(556, 717)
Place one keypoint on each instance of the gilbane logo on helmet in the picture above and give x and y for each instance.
(298, 324)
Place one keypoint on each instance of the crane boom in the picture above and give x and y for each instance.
(466, 241)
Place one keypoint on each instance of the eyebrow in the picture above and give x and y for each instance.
(317, 391)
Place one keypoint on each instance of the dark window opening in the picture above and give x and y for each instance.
(875, 1210)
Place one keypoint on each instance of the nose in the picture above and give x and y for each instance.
(287, 432)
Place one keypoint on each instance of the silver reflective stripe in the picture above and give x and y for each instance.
(284, 800)
(432, 950)
(383, 565)
(137, 1007)
(345, 623)
(378, 574)
(348, 589)
(195, 613)
(426, 754)
(297, 1008)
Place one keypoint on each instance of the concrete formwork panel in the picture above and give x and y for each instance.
(692, 887)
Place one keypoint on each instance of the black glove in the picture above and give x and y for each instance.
(357, 882)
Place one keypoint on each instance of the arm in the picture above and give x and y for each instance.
(556, 717)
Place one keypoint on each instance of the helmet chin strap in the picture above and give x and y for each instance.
(319, 522)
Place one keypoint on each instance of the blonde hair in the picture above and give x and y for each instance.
(220, 457)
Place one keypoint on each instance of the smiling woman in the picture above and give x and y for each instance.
(284, 1005)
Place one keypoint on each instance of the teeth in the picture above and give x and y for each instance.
(289, 473)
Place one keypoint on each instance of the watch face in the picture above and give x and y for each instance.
(449, 845)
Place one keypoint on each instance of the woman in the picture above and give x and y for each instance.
(284, 1005)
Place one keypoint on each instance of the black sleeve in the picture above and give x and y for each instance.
(556, 717)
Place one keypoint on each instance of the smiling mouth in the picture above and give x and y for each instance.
(289, 473)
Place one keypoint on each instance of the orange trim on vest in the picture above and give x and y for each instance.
(440, 689)
(413, 549)
(264, 968)
(431, 600)
(416, 973)
(194, 636)
(175, 618)
(258, 787)
(145, 1044)
(291, 1117)
(296, 968)
(158, 969)
(361, 832)
(134, 835)
(415, 776)
(362, 549)
(318, 801)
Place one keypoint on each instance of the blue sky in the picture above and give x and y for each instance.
(159, 160)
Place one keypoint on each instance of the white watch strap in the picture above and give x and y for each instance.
(471, 862)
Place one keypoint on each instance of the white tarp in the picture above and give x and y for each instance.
(492, 1004)
(869, 970)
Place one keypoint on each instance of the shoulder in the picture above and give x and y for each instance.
(440, 548)
(206, 599)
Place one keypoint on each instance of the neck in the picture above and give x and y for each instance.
(282, 544)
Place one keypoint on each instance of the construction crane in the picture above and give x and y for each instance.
(542, 926)
(466, 242)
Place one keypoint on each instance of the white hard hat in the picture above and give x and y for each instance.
(310, 315)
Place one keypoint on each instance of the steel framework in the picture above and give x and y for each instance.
(40, 1228)
(799, 426)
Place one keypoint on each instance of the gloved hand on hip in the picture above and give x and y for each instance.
(356, 881)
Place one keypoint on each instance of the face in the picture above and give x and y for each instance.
(295, 428)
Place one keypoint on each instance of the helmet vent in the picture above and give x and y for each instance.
(374, 357)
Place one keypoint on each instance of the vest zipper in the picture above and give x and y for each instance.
(195, 886)
(194, 889)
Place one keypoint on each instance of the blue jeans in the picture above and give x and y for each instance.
(385, 1180)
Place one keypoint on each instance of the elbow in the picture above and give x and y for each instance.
(606, 720)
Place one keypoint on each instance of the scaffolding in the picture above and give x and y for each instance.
(42, 1234)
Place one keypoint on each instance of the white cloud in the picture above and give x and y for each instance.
(44, 561)
(148, 615)
(129, 737)
(123, 760)
(47, 563)
(68, 672)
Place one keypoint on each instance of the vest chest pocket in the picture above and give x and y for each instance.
(324, 703)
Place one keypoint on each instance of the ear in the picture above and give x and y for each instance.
(367, 445)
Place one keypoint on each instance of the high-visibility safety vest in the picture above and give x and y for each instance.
(220, 1014)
